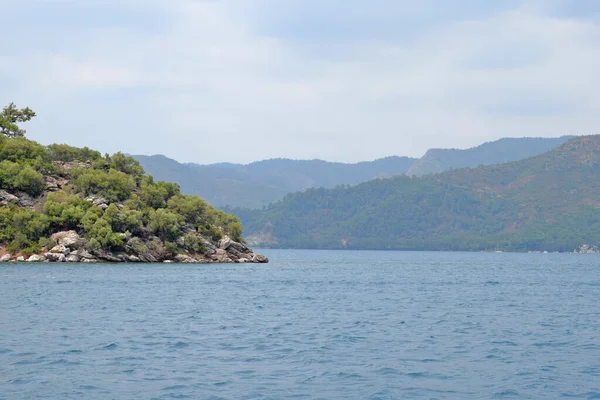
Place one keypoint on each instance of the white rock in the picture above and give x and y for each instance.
(72, 258)
(5, 258)
(68, 239)
(225, 242)
(60, 249)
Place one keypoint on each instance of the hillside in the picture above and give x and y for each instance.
(263, 182)
(547, 202)
(61, 203)
(257, 184)
(496, 152)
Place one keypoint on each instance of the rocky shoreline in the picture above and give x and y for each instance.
(72, 248)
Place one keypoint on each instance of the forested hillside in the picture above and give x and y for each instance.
(548, 202)
(61, 203)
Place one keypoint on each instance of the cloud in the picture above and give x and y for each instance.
(209, 81)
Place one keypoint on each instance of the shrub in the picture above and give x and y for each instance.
(20, 149)
(192, 242)
(164, 224)
(113, 185)
(103, 234)
(64, 152)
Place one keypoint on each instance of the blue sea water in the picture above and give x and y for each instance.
(308, 325)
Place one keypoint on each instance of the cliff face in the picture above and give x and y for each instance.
(55, 207)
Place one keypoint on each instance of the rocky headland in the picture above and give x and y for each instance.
(60, 203)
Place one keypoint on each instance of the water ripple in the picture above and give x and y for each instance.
(309, 325)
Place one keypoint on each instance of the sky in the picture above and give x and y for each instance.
(243, 80)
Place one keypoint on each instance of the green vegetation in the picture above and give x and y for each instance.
(10, 117)
(107, 199)
(549, 202)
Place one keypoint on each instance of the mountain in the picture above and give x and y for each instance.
(260, 183)
(547, 202)
(257, 184)
(497, 152)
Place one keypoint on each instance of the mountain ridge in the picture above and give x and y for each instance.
(546, 202)
(257, 184)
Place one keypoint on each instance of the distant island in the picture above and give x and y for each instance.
(549, 202)
(67, 204)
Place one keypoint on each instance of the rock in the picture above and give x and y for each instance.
(103, 206)
(259, 258)
(55, 257)
(68, 165)
(72, 258)
(25, 199)
(242, 248)
(82, 253)
(243, 260)
(235, 254)
(51, 184)
(221, 256)
(36, 258)
(148, 258)
(587, 249)
(20, 258)
(168, 261)
(8, 198)
(96, 200)
(68, 239)
(133, 259)
(60, 249)
(106, 256)
(89, 260)
(6, 258)
(225, 242)
(182, 258)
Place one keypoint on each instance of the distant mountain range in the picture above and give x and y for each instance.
(497, 152)
(546, 202)
(260, 183)
(257, 184)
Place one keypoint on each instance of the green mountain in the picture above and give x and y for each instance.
(547, 202)
(497, 152)
(61, 203)
(263, 182)
(257, 184)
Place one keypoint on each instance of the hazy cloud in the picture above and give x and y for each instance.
(210, 81)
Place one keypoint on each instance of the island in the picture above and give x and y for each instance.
(60, 203)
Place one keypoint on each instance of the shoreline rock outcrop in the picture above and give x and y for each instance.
(72, 248)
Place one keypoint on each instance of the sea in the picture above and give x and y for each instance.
(308, 325)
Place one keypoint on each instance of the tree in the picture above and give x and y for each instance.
(10, 116)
